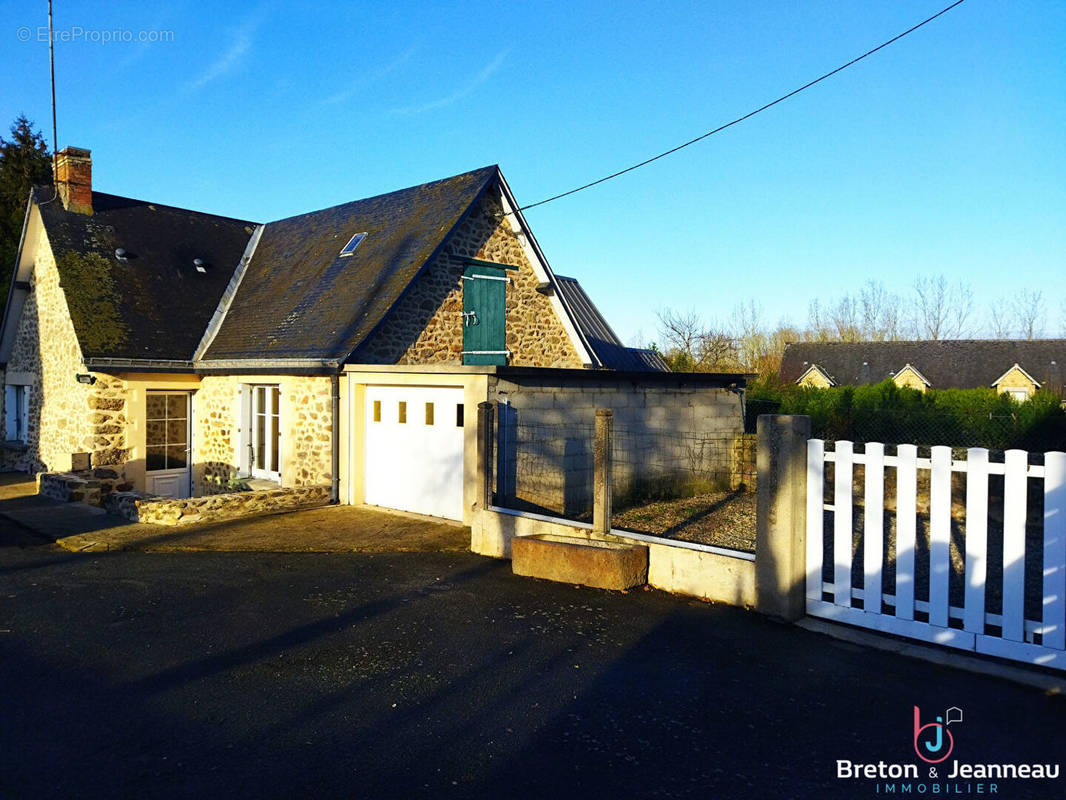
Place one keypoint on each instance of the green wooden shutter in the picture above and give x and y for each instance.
(484, 321)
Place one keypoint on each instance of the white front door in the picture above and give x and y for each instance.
(266, 432)
(168, 444)
(414, 449)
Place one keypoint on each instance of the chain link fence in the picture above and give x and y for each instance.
(666, 480)
(663, 465)
(546, 469)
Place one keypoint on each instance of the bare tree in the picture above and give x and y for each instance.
(1028, 306)
(680, 330)
(835, 323)
(750, 333)
(871, 315)
(880, 312)
(941, 310)
(1001, 320)
(692, 345)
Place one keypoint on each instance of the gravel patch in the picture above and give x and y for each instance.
(722, 519)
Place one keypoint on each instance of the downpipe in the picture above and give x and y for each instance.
(335, 438)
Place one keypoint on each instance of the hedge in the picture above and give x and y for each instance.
(888, 413)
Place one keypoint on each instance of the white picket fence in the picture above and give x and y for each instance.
(969, 627)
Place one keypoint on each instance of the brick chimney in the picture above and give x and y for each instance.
(74, 179)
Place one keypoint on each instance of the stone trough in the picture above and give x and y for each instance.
(603, 565)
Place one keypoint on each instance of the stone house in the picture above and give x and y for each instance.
(342, 353)
(1015, 367)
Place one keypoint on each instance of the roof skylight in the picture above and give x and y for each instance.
(355, 241)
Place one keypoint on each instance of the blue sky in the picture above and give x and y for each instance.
(943, 154)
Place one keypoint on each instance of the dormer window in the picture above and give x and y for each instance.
(353, 243)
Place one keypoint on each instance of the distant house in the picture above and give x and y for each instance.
(1015, 367)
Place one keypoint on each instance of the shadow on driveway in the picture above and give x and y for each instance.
(27, 519)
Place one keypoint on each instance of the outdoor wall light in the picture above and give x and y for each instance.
(83, 378)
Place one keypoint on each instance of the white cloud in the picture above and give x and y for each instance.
(346, 94)
(467, 89)
(239, 46)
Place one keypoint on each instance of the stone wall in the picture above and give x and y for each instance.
(306, 431)
(107, 420)
(85, 486)
(46, 357)
(138, 507)
(670, 439)
(426, 327)
(310, 431)
(217, 421)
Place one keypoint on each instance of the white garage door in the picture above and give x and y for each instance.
(414, 449)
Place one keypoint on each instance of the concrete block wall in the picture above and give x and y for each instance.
(669, 437)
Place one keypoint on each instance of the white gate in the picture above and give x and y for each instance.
(924, 602)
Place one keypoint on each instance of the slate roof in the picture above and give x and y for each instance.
(946, 364)
(157, 303)
(599, 335)
(300, 299)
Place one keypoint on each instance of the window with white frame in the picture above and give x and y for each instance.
(16, 412)
(261, 431)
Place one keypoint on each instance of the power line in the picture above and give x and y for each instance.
(750, 114)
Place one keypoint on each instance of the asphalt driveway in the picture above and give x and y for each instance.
(438, 675)
(82, 528)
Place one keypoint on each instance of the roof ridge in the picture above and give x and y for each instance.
(870, 342)
(165, 206)
(384, 194)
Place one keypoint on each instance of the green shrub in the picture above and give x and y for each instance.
(887, 413)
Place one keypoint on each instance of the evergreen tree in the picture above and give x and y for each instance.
(24, 161)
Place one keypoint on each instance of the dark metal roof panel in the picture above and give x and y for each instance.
(156, 303)
(606, 345)
(300, 298)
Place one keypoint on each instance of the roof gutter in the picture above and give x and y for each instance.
(145, 364)
(268, 365)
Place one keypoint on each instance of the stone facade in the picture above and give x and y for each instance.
(46, 357)
(306, 431)
(426, 326)
(108, 420)
(216, 433)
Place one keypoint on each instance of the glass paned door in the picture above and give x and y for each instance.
(168, 443)
(167, 431)
(266, 432)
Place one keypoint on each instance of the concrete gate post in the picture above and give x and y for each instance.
(601, 477)
(486, 414)
(781, 527)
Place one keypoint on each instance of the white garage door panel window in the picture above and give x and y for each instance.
(414, 449)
